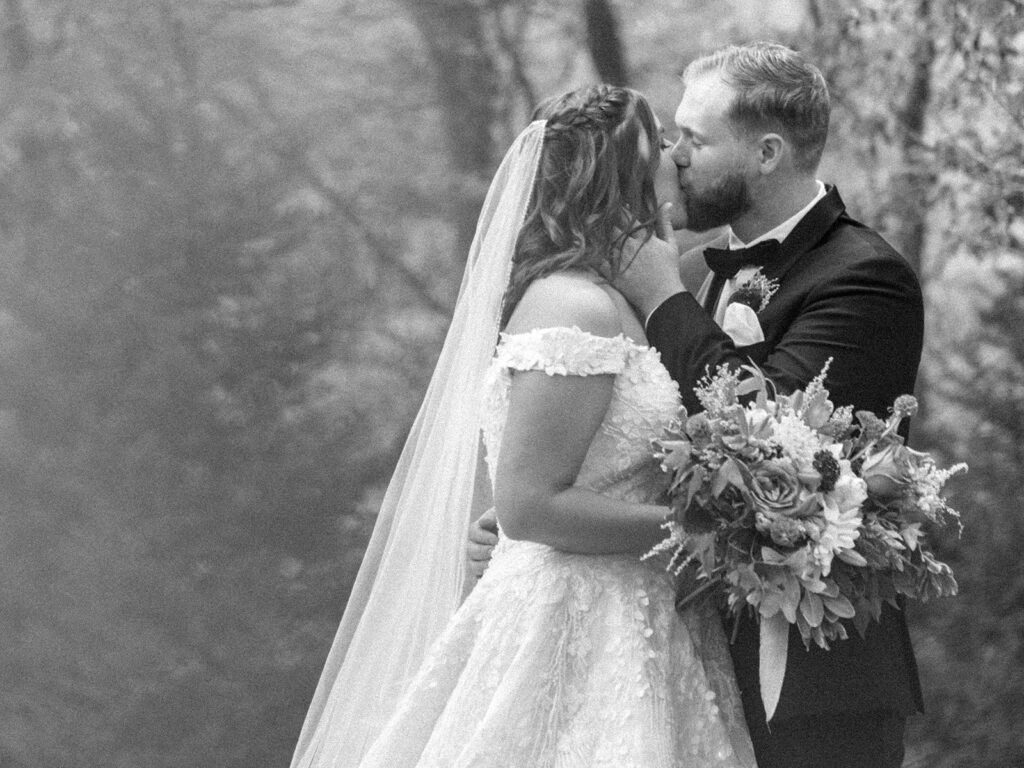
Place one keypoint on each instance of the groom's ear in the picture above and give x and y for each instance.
(770, 148)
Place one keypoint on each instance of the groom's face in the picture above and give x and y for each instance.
(714, 161)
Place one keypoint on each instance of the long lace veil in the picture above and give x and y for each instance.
(411, 578)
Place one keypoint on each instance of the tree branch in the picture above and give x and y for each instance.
(512, 45)
(382, 249)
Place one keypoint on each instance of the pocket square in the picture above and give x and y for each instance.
(742, 325)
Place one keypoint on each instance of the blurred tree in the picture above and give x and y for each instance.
(977, 366)
(479, 51)
(605, 42)
(186, 454)
(867, 50)
(16, 36)
(942, 150)
(455, 33)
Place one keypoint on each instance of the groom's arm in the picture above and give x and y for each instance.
(867, 317)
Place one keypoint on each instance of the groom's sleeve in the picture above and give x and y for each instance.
(867, 317)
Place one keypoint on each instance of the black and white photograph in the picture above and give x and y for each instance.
(511, 384)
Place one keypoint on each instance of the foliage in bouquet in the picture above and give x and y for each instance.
(799, 507)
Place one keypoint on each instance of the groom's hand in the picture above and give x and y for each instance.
(651, 272)
(483, 535)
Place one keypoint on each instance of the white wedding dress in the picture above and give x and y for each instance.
(575, 661)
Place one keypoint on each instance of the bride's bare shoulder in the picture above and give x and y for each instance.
(566, 299)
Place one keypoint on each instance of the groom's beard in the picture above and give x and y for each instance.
(717, 206)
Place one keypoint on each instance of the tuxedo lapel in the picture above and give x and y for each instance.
(714, 285)
(808, 232)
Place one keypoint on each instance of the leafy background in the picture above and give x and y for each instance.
(231, 233)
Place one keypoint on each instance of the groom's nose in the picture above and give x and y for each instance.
(680, 154)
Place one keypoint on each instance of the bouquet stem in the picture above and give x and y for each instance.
(716, 578)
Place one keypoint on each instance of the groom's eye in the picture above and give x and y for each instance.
(666, 143)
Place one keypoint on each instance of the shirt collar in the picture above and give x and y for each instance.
(781, 232)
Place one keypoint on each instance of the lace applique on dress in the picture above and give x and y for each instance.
(563, 352)
(557, 660)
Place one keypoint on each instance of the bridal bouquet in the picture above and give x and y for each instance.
(807, 514)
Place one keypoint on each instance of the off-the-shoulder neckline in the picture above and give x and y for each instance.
(621, 336)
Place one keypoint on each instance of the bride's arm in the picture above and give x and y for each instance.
(552, 420)
(551, 423)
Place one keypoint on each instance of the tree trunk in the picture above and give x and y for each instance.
(15, 36)
(604, 42)
(912, 185)
(454, 32)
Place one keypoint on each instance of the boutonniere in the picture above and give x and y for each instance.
(756, 291)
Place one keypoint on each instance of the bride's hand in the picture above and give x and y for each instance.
(483, 535)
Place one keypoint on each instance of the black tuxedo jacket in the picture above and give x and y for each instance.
(845, 294)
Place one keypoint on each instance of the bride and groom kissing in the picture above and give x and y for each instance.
(568, 650)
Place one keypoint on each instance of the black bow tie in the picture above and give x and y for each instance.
(726, 263)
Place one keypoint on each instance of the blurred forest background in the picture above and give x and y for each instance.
(231, 233)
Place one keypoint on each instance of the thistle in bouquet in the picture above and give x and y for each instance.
(804, 514)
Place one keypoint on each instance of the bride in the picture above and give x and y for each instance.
(556, 657)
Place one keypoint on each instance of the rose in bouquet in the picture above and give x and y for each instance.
(804, 513)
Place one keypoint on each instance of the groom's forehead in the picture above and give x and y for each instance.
(704, 97)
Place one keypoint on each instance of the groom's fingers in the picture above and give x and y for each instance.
(663, 223)
(662, 246)
(488, 521)
(478, 557)
(479, 553)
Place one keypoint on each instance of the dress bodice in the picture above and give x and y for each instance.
(645, 399)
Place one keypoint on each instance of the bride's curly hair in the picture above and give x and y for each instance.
(593, 189)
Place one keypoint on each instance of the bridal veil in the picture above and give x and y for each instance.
(410, 582)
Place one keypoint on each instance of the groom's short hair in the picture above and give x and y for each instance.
(777, 89)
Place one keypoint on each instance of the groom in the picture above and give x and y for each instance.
(753, 121)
